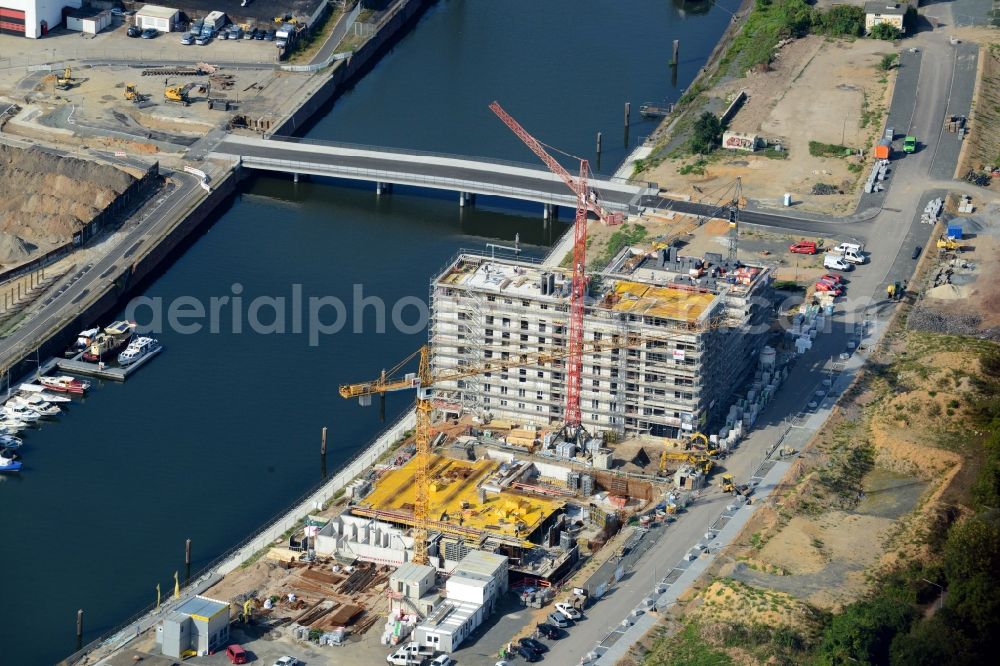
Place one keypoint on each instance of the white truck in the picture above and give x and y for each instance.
(411, 653)
(851, 252)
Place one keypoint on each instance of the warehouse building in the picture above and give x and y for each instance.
(164, 19)
(33, 18)
(701, 317)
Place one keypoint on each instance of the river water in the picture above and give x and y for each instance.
(221, 432)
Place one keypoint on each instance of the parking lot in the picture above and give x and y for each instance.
(114, 44)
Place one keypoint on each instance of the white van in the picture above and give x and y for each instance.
(844, 247)
(836, 262)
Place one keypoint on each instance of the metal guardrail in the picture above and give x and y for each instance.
(530, 166)
(398, 178)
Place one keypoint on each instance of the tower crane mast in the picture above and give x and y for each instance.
(586, 202)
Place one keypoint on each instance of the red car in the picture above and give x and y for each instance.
(833, 277)
(236, 654)
(828, 287)
(803, 247)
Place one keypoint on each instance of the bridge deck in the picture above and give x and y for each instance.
(424, 170)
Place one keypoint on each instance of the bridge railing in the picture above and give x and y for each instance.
(402, 178)
(430, 153)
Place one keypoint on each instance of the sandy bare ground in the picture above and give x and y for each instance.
(818, 90)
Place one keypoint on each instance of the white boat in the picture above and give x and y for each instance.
(21, 412)
(137, 350)
(36, 403)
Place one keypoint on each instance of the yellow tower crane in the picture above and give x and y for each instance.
(424, 381)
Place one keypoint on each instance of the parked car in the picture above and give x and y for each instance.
(568, 611)
(829, 288)
(150, 33)
(236, 654)
(187, 39)
(550, 631)
(910, 144)
(803, 247)
(258, 33)
(559, 620)
(442, 660)
(287, 661)
(201, 40)
(527, 655)
(281, 43)
(133, 31)
(833, 277)
(533, 645)
(916, 252)
(269, 35)
(248, 34)
(836, 263)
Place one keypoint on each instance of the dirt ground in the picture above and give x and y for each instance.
(970, 289)
(844, 103)
(49, 198)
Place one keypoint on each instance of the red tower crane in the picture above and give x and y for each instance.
(586, 202)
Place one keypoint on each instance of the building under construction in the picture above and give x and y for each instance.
(699, 322)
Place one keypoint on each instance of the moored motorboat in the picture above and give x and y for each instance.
(109, 341)
(137, 350)
(21, 412)
(83, 340)
(10, 442)
(64, 384)
(36, 403)
(10, 426)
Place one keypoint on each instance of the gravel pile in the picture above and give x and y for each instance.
(923, 318)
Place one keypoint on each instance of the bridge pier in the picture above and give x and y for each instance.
(466, 198)
(550, 212)
(295, 177)
(382, 188)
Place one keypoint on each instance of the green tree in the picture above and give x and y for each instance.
(889, 33)
(864, 631)
(841, 21)
(707, 133)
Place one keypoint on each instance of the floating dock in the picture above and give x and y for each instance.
(78, 366)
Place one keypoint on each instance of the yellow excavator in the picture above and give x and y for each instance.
(697, 458)
(178, 94)
(132, 93)
(65, 82)
(947, 243)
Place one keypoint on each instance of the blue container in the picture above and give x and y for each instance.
(955, 231)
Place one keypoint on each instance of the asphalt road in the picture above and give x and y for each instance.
(380, 165)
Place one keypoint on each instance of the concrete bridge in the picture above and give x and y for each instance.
(386, 167)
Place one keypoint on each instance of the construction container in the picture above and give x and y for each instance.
(602, 459)
(955, 231)
(882, 151)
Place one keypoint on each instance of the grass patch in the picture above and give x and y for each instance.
(627, 234)
(819, 149)
(697, 168)
(772, 153)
